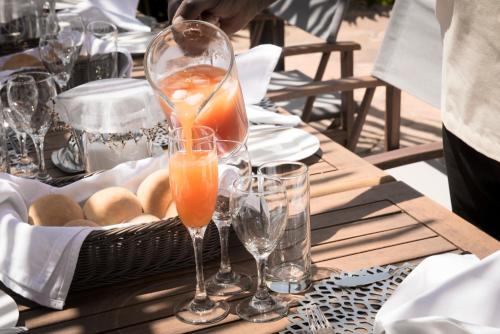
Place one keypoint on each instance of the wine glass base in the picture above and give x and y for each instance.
(235, 284)
(28, 170)
(196, 313)
(255, 310)
(63, 159)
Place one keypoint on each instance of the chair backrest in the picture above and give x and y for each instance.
(321, 18)
(411, 53)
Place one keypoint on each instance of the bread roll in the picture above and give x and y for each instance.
(144, 218)
(154, 193)
(111, 206)
(171, 211)
(81, 222)
(53, 210)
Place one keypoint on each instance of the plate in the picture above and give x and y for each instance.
(280, 144)
(135, 42)
(8, 311)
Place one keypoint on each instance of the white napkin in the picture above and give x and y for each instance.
(119, 12)
(446, 293)
(39, 262)
(110, 106)
(255, 68)
(259, 115)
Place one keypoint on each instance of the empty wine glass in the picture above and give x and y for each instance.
(23, 165)
(59, 48)
(259, 210)
(31, 98)
(234, 162)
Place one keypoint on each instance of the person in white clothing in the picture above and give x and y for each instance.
(470, 105)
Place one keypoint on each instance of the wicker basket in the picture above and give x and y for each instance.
(121, 254)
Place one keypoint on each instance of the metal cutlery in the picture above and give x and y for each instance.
(354, 281)
(318, 323)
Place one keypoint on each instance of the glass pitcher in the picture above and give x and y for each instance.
(190, 66)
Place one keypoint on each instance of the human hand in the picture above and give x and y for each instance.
(230, 15)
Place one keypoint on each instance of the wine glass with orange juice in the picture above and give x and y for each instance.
(194, 184)
(190, 66)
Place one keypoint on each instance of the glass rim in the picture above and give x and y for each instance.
(112, 25)
(12, 80)
(304, 169)
(254, 176)
(157, 39)
(172, 137)
(234, 151)
(47, 75)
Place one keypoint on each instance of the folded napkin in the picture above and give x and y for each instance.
(255, 68)
(110, 106)
(39, 262)
(119, 12)
(259, 115)
(446, 293)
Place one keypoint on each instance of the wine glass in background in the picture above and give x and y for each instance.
(234, 162)
(60, 48)
(101, 44)
(19, 25)
(194, 185)
(23, 164)
(259, 208)
(31, 98)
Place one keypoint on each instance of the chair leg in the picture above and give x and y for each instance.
(256, 30)
(361, 118)
(347, 70)
(306, 113)
(392, 117)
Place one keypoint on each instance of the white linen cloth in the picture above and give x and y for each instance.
(259, 115)
(110, 106)
(255, 68)
(119, 12)
(39, 262)
(446, 293)
(411, 53)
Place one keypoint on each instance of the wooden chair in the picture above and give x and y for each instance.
(338, 94)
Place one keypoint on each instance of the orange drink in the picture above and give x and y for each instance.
(194, 184)
(189, 90)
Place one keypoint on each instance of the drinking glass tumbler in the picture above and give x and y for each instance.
(289, 265)
(101, 39)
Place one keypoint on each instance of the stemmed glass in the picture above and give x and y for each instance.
(259, 209)
(59, 47)
(31, 100)
(194, 184)
(234, 162)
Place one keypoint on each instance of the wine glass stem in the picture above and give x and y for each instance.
(225, 262)
(39, 147)
(262, 292)
(197, 236)
(21, 138)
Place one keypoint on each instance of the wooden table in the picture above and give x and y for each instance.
(383, 224)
